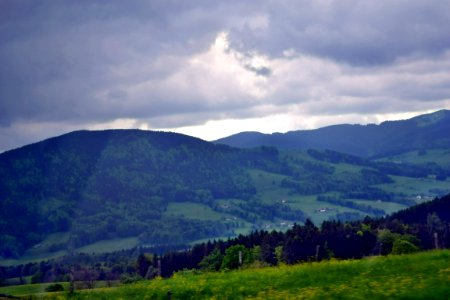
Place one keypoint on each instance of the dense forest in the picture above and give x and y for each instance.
(421, 227)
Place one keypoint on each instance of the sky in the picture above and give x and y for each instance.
(214, 68)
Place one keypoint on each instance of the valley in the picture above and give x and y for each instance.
(87, 191)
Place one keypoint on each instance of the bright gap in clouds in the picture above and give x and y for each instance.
(213, 130)
(225, 75)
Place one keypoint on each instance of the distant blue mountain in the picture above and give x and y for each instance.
(390, 137)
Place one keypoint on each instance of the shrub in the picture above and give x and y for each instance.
(54, 288)
(403, 246)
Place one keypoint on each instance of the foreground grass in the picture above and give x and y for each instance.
(418, 276)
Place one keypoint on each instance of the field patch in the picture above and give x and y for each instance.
(439, 156)
(388, 207)
(110, 245)
(102, 246)
(317, 211)
(426, 188)
(191, 210)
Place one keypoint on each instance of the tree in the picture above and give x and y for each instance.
(152, 272)
(144, 261)
(213, 261)
(386, 240)
(279, 254)
(235, 256)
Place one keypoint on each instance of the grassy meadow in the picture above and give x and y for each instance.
(424, 275)
(439, 156)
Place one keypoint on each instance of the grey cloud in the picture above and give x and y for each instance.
(78, 62)
(262, 71)
(355, 32)
(65, 52)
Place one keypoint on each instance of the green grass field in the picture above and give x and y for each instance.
(191, 210)
(110, 245)
(28, 289)
(423, 275)
(415, 186)
(313, 208)
(343, 168)
(439, 156)
(265, 181)
(98, 247)
(388, 207)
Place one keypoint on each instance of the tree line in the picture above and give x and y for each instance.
(422, 227)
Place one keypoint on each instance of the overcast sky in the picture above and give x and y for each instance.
(213, 68)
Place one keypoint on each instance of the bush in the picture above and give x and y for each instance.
(54, 288)
(126, 278)
(403, 246)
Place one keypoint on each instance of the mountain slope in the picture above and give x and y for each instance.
(421, 132)
(157, 188)
(117, 183)
(112, 180)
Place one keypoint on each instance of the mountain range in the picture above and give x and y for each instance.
(151, 188)
(388, 138)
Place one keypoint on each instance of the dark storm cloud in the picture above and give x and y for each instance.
(73, 64)
(355, 32)
(56, 55)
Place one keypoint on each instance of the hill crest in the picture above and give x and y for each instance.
(421, 132)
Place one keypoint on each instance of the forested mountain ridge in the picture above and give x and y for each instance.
(391, 137)
(118, 180)
(166, 188)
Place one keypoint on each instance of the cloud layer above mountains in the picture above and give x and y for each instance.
(212, 67)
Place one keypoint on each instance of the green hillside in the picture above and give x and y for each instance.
(78, 191)
(416, 276)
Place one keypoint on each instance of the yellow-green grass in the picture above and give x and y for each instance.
(423, 275)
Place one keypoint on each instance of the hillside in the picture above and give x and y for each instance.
(79, 191)
(107, 184)
(418, 228)
(392, 137)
